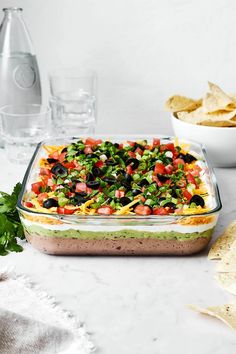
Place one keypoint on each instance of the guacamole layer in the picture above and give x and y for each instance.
(121, 234)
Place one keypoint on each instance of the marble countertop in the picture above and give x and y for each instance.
(136, 305)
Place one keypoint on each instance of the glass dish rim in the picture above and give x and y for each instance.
(170, 217)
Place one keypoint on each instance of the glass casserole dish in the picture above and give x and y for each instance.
(172, 234)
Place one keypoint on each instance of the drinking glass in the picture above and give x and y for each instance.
(23, 127)
(73, 101)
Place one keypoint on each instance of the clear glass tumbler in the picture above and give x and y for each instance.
(73, 101)
(23, 127)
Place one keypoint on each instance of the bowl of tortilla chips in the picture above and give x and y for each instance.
(210, 121)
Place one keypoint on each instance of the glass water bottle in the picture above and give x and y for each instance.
(19, 74)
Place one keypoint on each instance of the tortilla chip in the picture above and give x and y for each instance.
(217, 100)
(225, 313)
(222, 245)
(180, 103)
(223, 123)
(227, 281)
(200, 117)
(228, 260)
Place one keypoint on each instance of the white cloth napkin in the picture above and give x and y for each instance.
(32, 323)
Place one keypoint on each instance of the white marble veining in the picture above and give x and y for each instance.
(136, 305)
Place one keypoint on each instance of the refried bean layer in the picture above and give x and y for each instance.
(116, 247)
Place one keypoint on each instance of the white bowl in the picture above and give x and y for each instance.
(220, 143)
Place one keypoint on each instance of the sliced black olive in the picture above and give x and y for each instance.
(93, 184)
(136, 192)
(79, 152)
(97, 172)
(128, 177)
(80, 194)
(181, 156)
(49, 160)
(109, 162)
(198, 200)
(173, 193)
(91, 156)
(59, 170)
(109, 180)
(116, 145)
(121, 172)
(126, 184)
(162, 178)
(133, 163)
(125, 200)
(78, 199)
(49, 203)
(170, 205)
(90, 177)
(188, 158)
(136, 145)
(64, 150)
(161, 199)
(144, 182)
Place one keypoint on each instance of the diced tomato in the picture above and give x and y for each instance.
(99, 164)
(143, 199)
(166, 147)
(105, 210)
(69, 165)
(159, 168)
(160, 211)
(92, 142)
(195, 171)
(29, 204)
(62, 156)
(35, 187)
(70, 194)
(42, 196)
(45, 171)
(139, 151)
(131, 143)
(50, 182)
(54, 155)
(169, 169)
(191, 179)
(62, 210)
(119, 193)
(54, 187)
(45, 179)
(121, 146)
(178, 162)
(80, 187)
(186, 194)
(142, 210)
(88, 150)
(156, 142)
(129, 170)
(158, 182)
(131, 154)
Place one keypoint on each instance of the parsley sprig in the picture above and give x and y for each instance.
(10, 225)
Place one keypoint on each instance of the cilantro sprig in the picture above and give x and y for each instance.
(10, 225)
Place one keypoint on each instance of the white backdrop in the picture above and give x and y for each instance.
(143, 51)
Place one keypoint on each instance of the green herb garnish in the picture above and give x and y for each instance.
(10, 225)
